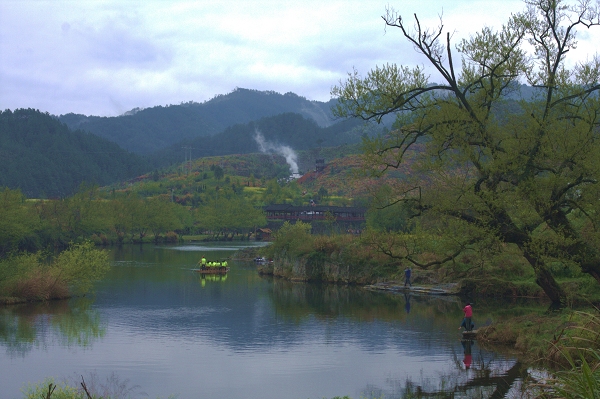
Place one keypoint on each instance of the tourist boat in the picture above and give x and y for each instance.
(213, 270)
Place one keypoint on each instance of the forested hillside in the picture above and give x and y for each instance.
(43, 158)
(152, 129)
(289, 129)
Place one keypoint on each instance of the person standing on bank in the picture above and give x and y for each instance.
(407, 273)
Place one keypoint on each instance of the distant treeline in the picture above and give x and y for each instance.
(32, 225)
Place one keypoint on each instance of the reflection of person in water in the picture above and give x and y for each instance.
(466, 343)
(407, 302)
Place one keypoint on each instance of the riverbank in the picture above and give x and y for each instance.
(536, 336)
(8, 301)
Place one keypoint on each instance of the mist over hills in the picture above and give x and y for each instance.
(152, 129)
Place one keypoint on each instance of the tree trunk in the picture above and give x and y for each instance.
(545, 280)
(593, 269)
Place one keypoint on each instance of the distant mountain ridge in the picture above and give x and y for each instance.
(148, 130)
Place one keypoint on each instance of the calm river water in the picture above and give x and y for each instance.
(155, 328)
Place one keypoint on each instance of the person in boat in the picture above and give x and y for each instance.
(202, 263)
(468, 311)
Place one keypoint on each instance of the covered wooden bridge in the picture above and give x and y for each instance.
(315, 212)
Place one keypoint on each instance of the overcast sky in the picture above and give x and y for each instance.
(107, 57)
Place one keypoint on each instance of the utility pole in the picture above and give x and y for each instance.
(187, 164)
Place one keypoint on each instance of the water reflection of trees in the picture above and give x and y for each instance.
(299, 300)
(488, 377)
(71, 323)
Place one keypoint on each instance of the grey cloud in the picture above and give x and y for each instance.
(121, 47)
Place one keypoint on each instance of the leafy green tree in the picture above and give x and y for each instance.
(140, 217)
(229, 214)
(494, 170)
(382, 217)
(218, 172)
(80, 266)
(291, 240)
(18, 221)
(74, 218)
(273, 193)
(322, 194)
(119, 218)
(87, 216)
(249, 217)
(164, 216)
(133, 216)
(54, 219)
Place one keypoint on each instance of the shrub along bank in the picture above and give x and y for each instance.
(28, 277)
(298, 255)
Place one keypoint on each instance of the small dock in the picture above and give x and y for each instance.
(441, 289)
(469, 334)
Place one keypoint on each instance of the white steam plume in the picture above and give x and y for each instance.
(266, 147)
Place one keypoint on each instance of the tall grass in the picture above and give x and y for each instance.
(577, 352)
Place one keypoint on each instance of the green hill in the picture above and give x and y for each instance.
(151, 129)
(44, 159)
(288, 132)
(254, 172)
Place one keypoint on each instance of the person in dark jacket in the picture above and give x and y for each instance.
(407, 274)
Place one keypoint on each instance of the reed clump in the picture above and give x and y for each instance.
(576, 357)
